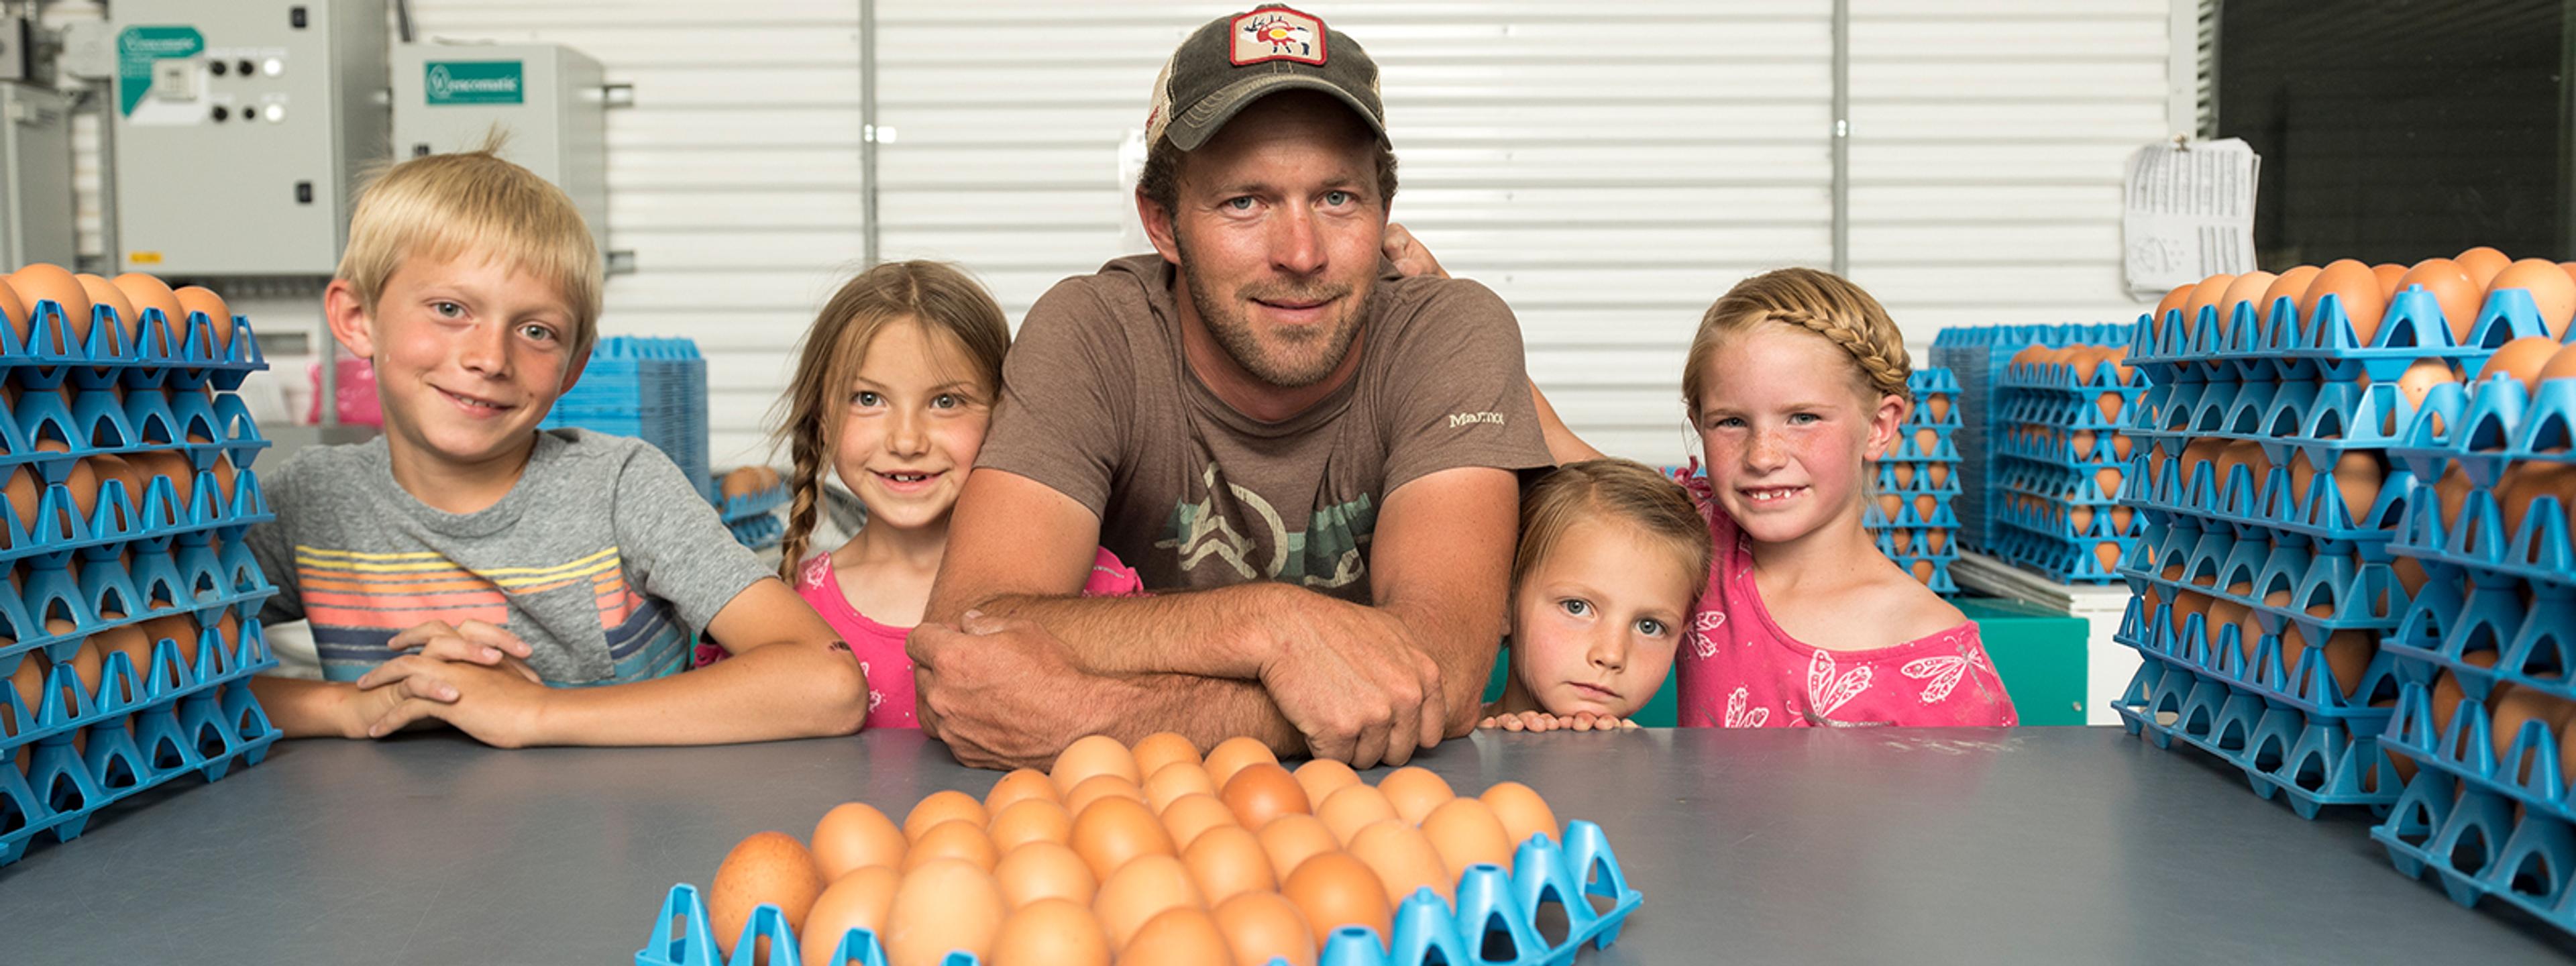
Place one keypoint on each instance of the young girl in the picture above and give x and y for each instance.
(1795, 382)
(1611, 559)
(893, 388)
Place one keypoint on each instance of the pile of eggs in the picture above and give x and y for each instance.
(2097, 454)
(1144, 855)
(2460, 285)
(2509, 707)
(127, 294)
(1922, 550)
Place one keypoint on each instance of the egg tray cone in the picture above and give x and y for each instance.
(2311, 763)
(2477, 850)
(144, 728)
(1495, 910)
(155, 351)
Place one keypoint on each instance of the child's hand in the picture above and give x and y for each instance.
(1543, 721)
(497, 706)
(473, 642)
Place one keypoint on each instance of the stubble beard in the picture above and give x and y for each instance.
(1279, 361)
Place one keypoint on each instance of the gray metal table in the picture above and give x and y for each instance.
(2067, 845)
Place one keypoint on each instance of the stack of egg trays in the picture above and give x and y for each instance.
(1977, 355)
(2487, 825)
(2295, 387)
(759, 531)
(139, 556)
(2067, 523)
(752, 518)
(1920, 481)
(653, 389)
(1496, 916)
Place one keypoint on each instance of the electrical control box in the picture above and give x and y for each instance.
(549, 101)
(241, 129)
(35, 176)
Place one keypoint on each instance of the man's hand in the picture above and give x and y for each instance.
(1543, 721)
(496, 706)
(1002, 693)
(1351, 680)
(1409, 256)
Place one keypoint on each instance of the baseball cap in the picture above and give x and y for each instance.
(1230, 62)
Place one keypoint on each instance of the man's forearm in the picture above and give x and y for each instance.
(1210, 633)
(1206, 710)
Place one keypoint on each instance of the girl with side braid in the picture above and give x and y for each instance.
(894, 386)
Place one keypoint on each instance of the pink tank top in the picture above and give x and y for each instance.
(1740, 670)
(879, 647)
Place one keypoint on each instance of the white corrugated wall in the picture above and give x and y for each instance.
(1609, 167)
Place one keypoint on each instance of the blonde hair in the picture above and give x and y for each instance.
(937, 296)
(1819, 302)
(1624, 490)
(440, 206)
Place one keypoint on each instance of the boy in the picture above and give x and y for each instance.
(471, 568)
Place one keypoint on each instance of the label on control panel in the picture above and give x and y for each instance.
(139, 50)
(475, 82)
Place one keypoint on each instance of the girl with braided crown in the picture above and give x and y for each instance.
(1794, 384)
(894, 386)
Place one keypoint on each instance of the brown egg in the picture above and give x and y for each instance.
(1230, 755)
(2292, 285)
(942, 807)
(1045, 870)
(85, 661)
(2552, 292)
(1336, 889)
(2410, 574)
(941, 907)
(1175, 780)
(1262, 791)
(2248, 287)
(1051, 932)
(962, 839)
(1465, 832)
(1020, 785)
(1179, 937)
(2388, 273)
(1290, 840)
(1097, 787)
(2525, 483)
(2447, 693)
(2452, 491)
(131, 641)
(742, 482)
(2206, 295)
(1194, 813)
(2523, 359)
(1939, 407)
(1141, 890)
(2561, 366)
(104, 292)
(1938, 539)
(1163, 748)
(1263, 926)
(1030, 820)
(855, 835)
(1115, 831)
(2357, 476)
(1404, 861)
(1523, 813)
(23, 492)
(219, 317)
(2418, 380)
(145, 292)
(28, 683)
(2450, 288)
(178, 628)
(2353, 284)
(1414, 791)
(1351, 809)
(40, 282)
(1323, 776)
(2481, 264)
(2174, 300)
(1227, 860)
(1092, 755)
(2348, 655)
(768, 867)
(859, 900)
(2509, 706)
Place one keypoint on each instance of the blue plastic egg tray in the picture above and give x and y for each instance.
(110, 353)
(1495, 910)
(2471, 841)
(2256, 502)
(1976, 356)
(2352, 595)
(2531, 641)
(2483, 539)
(733, 509)
(2311, 762)
(2276, 343)
(653, 389)
(759, 532)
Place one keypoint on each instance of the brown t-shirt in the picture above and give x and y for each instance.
(1100, 405)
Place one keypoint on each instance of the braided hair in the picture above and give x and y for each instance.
(1819, 302)
(937, 296)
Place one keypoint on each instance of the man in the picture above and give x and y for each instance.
(1313, 456)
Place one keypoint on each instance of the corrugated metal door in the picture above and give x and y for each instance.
(1609, 168)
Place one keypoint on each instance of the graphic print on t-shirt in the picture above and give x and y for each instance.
(1228, 534)
(357, 602)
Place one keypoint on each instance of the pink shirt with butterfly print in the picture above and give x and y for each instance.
(1740, 670)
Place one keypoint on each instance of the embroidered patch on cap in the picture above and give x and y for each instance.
(1278, 33)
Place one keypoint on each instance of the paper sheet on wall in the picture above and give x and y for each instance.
(2188, 214)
